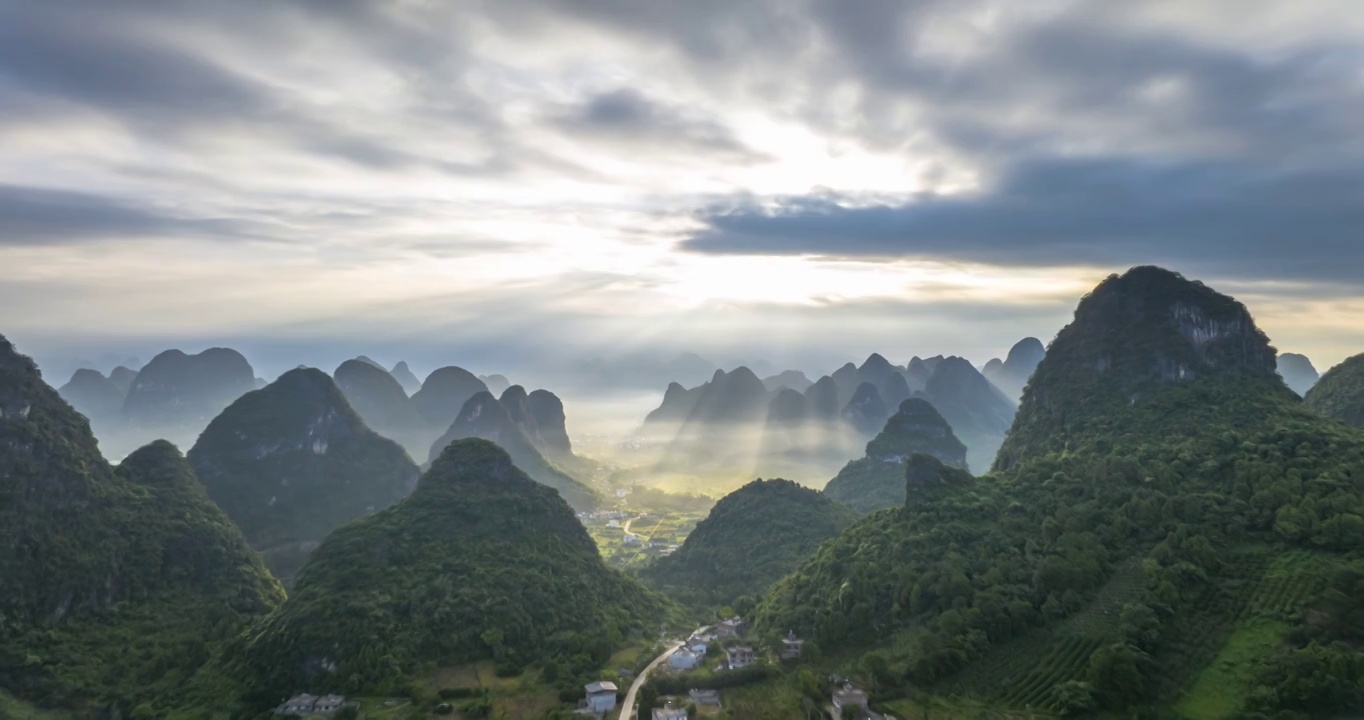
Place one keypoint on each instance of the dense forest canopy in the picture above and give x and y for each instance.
(752, 537)
(1158, 459)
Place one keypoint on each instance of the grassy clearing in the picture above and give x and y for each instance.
(1218, 690)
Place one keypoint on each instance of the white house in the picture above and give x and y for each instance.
(669, 713)
(601, 696)
(739, 656)
(849, 696)
(298, 704)
(684, 659)
(329, 704)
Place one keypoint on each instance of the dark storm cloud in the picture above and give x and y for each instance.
(1094, 143)
(1233, 217)
(36, 216)
(625, 115)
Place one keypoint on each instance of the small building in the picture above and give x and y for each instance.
(601, 696)
(790, 646)
(622, 493)
(669, 712)
(849, 696)
(297, 705)
(684, 659)
(613, 523)
(329, 703)
(632, 540)
(733, 627)
(698, 646)
(739, 656)
(704, 698)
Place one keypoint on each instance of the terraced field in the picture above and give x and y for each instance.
(1228, 651)
(1022, 672)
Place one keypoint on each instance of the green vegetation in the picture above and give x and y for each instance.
(878, 480)
(119, 584)
(1092, 570)
(1218, 690)
(751, 538)
(1339, 394)
(291, 462)
(480, 562)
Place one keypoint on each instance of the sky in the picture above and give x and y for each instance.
(516, 185)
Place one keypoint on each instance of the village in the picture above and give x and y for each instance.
(688, 679)
(711, 658)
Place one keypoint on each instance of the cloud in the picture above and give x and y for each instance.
(39, 216)
(1223, 217)
(627, 116)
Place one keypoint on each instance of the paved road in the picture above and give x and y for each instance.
(627, 710)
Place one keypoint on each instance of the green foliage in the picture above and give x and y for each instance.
(752, 537)
(292, 461)
(1157, 448)
(480, 562)
(1339, 394)
(119, 584)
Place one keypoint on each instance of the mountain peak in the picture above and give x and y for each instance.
(1175, 328)
(472, 461)
(1027, 350)
(1134, 335)
(1340, 392)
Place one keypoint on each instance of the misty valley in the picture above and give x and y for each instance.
(1155, 514)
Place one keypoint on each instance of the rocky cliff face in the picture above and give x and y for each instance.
(1133, 335)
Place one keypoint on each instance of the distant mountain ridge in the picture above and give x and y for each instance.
(737, 424)
(877, 480)
(485, 417)
(1297, 372)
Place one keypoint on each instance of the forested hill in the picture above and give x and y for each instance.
(480, 562)
(1340, 393)
(751, 538)
(877, 480)
(115, 584)
(1161, 493)
(292, 461)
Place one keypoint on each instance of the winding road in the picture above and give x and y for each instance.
(627, 710)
